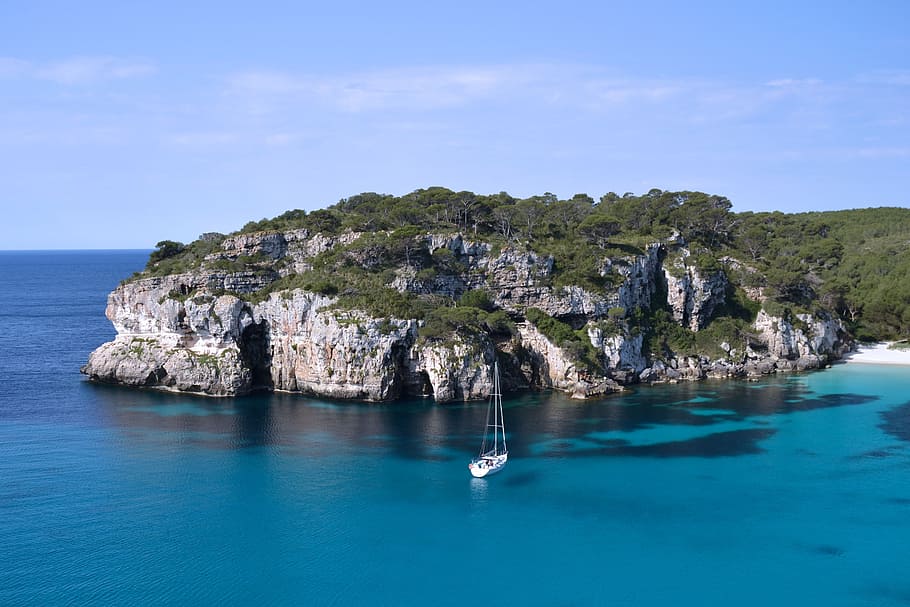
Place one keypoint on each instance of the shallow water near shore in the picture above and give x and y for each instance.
(791, 490)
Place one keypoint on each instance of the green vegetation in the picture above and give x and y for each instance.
(698, 217)
(170, 257)
(465, 321)
(854, 263)
(383, 302)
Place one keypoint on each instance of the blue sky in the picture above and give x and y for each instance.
(122, 124)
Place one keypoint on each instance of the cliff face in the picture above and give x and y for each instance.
(692, 297)
(198, 332)
(330, 354)
(195, 345)
(551, 367)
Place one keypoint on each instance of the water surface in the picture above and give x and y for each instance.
(793, 490)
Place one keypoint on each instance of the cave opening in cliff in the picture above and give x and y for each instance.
(254, 352)
(425, 386)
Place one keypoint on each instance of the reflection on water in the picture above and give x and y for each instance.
(478, 491)
(709, 419)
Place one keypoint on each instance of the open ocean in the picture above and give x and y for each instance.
(790, 491)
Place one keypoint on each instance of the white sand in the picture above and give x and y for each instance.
(879, 354)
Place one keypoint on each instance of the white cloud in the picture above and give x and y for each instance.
(75, 70)
(11, 67)
(202, 138)
(84, 70)
(406, 88)
(616, 92)
(887, 77)
(793, 83)
(882, 152)
(445, 87)
(267, 82)
(279, 139)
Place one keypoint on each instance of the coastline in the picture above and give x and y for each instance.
(878, 354)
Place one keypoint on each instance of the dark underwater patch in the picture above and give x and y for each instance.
(875, 454)
(775, 399)
(719, 444)
(827, 401)
(828, 550)
(896, 422)
(418, 430)
(770, 404)
(889, 591)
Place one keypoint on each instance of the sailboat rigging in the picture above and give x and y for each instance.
(494, 453)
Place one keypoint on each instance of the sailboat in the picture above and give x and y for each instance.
(493, 451)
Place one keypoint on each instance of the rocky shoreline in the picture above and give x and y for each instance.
(202, 332)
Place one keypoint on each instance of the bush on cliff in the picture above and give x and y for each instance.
(465, 320)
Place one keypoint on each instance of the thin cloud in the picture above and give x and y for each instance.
(11, 67)
(75, 70)
(794, 83)
(84, 70)
(267, 82)
(407, 88)
(887, 77)
(280, 139)
(883, 152)
(615, 92)
(202, 139)
(444, 87)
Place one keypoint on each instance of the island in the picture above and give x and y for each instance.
(380, 297)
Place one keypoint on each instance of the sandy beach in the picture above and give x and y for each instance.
(879, 354)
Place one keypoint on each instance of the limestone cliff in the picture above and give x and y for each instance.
(553, 368)
(692, 296)
(209, 330)
(341, 355)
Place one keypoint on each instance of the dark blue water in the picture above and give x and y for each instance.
(790, 491)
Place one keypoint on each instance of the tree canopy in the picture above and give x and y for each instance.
(854, 263)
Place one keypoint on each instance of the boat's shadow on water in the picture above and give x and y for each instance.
(521, 479)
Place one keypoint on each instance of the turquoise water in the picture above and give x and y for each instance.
(790, 491)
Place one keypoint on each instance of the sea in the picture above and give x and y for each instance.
(792, 490)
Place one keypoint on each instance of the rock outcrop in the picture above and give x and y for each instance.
(806, 342)
(693, 297)
(458, 369)
(552, 368)
(776, 345)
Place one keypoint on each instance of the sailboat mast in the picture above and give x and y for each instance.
(502, 419)
(495, 408)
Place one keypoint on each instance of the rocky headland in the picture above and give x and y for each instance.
(236, 322)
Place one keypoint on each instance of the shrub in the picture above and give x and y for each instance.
(383, 303)
(499, 322)
(476, 298)
(554, 330)
(441, 322)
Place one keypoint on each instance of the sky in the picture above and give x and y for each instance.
(126, 123)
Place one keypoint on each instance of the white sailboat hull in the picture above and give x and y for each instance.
(485, 466)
